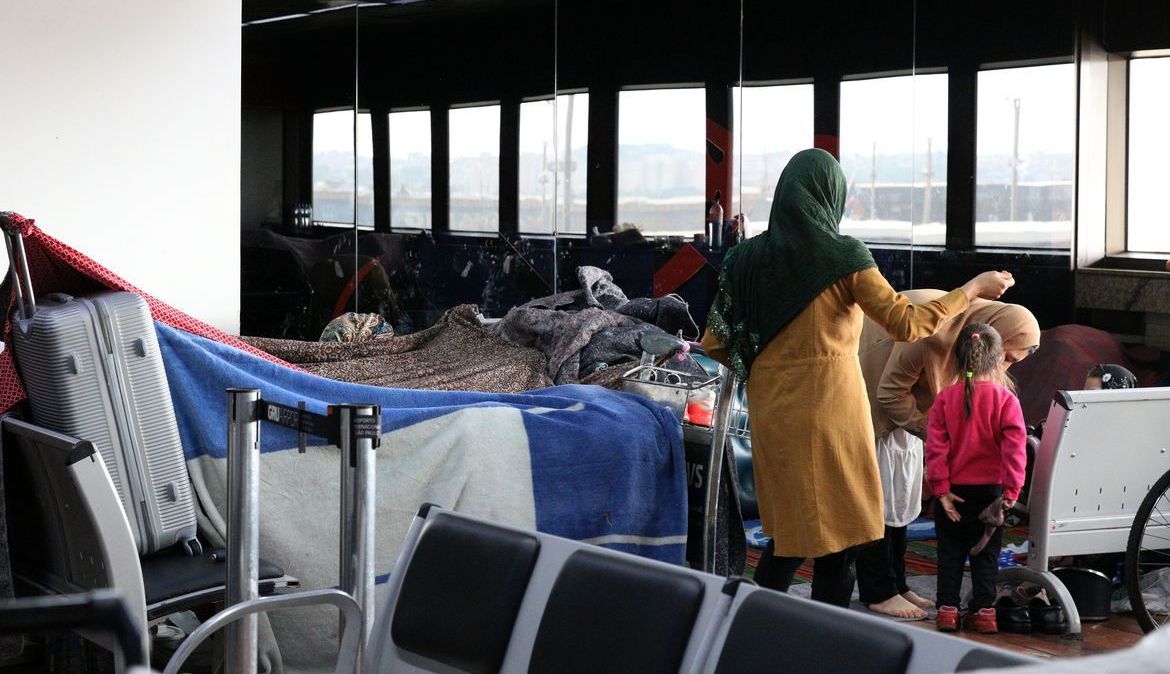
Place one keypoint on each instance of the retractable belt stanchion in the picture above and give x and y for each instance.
(355, 429)
(243, 524)
(357, 505)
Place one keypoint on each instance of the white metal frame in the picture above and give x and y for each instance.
(1101, 452)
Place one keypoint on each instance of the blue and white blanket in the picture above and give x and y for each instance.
(576, 461)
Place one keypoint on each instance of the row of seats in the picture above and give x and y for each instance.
(471, 596)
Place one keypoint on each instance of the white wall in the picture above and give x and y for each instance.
(120, 135)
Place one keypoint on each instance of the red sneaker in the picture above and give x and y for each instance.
(948, 619)
(982, 621)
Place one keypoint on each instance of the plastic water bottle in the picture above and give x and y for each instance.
(715, 217)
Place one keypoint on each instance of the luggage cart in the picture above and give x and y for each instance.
(711, 411)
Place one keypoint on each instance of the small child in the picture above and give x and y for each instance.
(974, 454)
(1109, 377)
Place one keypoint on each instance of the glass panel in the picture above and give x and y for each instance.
(885, 124)
(537, 165)
(775, 122)
(475, 168)
(573, 141)
(928, 166)
(1149, 145)
(410, 169)
(1025, 141)
(333, 165)
(543, 156)
(661, 160)
(333, 178)
(365, 172)
(297, 152)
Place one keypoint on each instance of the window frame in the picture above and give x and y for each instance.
(332, 224)
(890, 74)
(390, 169)
(451, 231)
(1076, 149)
(1136, 259)
(672, 86)
(1115, 254)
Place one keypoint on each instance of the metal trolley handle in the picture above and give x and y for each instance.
(719, 434)
(348, 650)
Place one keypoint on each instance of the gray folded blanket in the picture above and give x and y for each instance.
(586, 332)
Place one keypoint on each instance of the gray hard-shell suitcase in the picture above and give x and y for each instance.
(92, 369)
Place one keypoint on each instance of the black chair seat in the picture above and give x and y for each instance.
(171, 574)
(771, 630)
(613, 615)
(462, 592)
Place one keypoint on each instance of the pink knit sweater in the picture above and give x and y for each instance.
(985, 448)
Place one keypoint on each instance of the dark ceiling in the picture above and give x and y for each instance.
(386, 10)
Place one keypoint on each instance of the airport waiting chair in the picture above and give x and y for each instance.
(468, 595)
(69, 532)
(770, 630)
(1101, 452)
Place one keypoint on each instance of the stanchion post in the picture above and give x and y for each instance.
(722, 419)
(243, 523)
(357, 509)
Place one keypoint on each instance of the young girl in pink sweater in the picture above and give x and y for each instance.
(974, 455)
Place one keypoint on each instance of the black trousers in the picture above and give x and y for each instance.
(832, 574)
(881, 567)
(955, 540)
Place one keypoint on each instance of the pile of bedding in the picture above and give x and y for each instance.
(587, 334)
(455, 354)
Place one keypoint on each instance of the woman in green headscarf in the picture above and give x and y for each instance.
(787, 319)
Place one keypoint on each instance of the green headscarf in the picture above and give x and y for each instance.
(769, 279)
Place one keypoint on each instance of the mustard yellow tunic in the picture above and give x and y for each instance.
(812, 435)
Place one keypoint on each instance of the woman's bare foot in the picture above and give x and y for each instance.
(913, 597)
(898, 607)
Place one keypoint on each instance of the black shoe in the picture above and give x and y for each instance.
(1011, 617)
(1047, 618)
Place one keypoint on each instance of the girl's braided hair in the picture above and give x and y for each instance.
(979, 354)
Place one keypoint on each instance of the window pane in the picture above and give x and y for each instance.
(537, 167)
(541, 163)
(1024, 157)
(475, 169)
(410, 169)
(573, 138)
(893, 152)
(333, 182)
(1149, 145)
(774, 123)
(365, 182)
(661, 165)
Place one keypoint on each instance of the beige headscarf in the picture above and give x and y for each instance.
(902, 379)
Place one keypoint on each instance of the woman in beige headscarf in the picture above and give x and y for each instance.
(902, 380)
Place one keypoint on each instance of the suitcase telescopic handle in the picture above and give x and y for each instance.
(18, 266)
